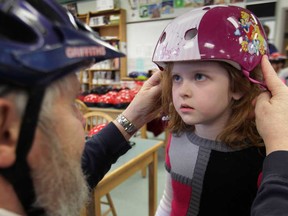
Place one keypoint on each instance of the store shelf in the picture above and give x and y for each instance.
(112, 29)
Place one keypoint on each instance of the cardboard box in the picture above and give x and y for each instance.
(97, 21)
(102, 5)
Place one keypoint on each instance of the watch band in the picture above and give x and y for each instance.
(126, 124)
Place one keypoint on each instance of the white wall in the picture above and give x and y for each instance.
(142, 38)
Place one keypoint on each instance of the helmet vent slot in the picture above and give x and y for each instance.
(163, 37)
(190, 34)
(15, 30)
(206, 8)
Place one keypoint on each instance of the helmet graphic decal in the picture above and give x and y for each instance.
(253, 41)
(166, 52)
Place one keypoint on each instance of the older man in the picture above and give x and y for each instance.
(41, 131)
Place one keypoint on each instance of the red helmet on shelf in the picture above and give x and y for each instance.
(105, 101)
(122, 100)
(112, 93)
(133, 92)
(91, 100)
(276, 56)
(96, 129)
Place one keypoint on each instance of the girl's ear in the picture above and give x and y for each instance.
(9, 130)
(237, 95)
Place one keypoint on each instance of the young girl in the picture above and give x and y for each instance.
(214, 157)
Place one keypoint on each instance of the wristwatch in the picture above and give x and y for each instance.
(126, 124)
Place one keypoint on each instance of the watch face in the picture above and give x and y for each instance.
(127, 125)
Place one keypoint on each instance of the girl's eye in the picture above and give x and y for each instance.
(200, 77)
(176, 78)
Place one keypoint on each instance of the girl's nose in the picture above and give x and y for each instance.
(185, 90)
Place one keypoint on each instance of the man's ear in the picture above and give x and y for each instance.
(9, 130)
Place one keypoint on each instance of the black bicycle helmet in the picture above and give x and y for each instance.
(40, 41)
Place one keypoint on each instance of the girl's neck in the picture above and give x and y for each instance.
(208, 131)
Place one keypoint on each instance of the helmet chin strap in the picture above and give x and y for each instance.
(19, 175)
(247, 73)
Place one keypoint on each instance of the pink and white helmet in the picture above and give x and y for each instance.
(219, 32)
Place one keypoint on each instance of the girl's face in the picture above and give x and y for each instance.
(201, 95)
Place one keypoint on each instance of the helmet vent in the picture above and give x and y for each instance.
(190, 34)
(206, 8)
(163, 37)
(11, 27)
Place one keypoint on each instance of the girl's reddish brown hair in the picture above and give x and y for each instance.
(241, 128)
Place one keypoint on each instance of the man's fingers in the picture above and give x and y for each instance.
(263, 98)
(270, 76)
(154, 80)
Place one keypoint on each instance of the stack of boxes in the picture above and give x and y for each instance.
(102, 5)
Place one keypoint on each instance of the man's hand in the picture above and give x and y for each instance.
(271, 110)
(146, 105)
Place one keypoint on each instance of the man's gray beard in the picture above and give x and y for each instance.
(61, 187)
